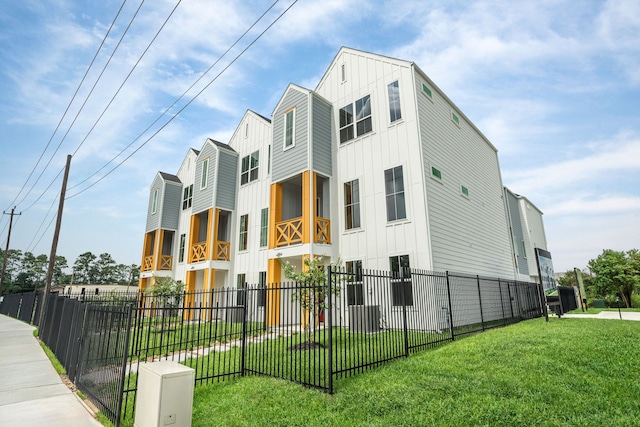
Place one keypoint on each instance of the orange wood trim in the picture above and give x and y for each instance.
(275, 212)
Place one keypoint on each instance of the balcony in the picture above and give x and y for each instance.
(166, 262)
(147, 263)
(199, 252)
(222, 251)
(289, 232)
(322, 231)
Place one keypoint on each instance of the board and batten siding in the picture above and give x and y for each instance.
(294, 160)
(468, 234)
(203, 197)
(171, 205)
(517, 229)
(227, 178)
(321, 136)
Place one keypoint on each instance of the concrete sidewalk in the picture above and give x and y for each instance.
(626, 315)
(31, 392)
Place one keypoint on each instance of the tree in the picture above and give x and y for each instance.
(167, 292)
(312, 287)
(83, 269)
(569, 279)
(59, 276)
(616, 273)
(105, 269)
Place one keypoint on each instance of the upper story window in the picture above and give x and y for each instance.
(363, 124)
(394, 190)
(154, 202)
(351, 204)
(289, 128)
(394, 102)
(187, 197)
(264, 227)
(244, 232)
(205, 173)
(250, 168)
(183, 238)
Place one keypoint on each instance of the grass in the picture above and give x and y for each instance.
(592, 310)
(568, 372)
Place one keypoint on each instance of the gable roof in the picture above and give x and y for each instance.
(170, 177)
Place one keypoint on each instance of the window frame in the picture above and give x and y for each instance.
(204, 174)
(249, 171)
(181, 250)
(396, 195)
(243, 234)
(393, 96)
(187, 197)
(154, 201)
(355, 295)
(353, 209)
(398, 279)
(351, 112)
(292, 144)
(264, 227)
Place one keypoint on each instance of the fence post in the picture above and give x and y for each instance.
(480, 301)
(328, 313)
(504, 318)
(243, 350)
(403, 284)
(510, 299)
(450, 311)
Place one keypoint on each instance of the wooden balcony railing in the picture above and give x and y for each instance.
(289, 232)
(147, 263)
(166, 262)
(198, 251)
(323, 230)
(222, 251)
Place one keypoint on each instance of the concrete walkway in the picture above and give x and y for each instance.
(626, 315)
(31, 392)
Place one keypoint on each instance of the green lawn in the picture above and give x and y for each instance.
(568, 372)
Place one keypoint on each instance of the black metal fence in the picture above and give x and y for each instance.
(308, 333)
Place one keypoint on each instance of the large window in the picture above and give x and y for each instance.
(352, 204)
(289, 128)
(394, 190)
(362, 108)
(250, 168)
(187, 197)
(394, 102)
(264, 227)
(401, 290)
(183, 238)
(154, 201)
(354, 284)
(244, 232)
(205, 172)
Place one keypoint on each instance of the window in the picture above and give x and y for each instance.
(269, 159)
(244, 232)
(205, 172)
(351, 204)
(289, 128)
(246, 130)
(516, 247)
(524, 250)
(262, 288)
(464, 190)
(401, 289)
(343, 72)
(426, 90)
(250, 165)
(363, 122)
(354, 284)
(394, 102)
(394, 190)
(240, 285)
(183, 238)
(455, 118)
(264, 227)
(154, 202)
(435, 173)
(187, 197)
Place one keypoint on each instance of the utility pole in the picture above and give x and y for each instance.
(6, 251)
(54, 244)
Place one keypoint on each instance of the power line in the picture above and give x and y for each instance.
(31, 248)
(202, 75)
(68, 106)
(190, 101)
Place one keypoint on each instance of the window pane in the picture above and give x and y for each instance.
(399, 180)
(245, 163)
(288, 133)
(364, 126)
(363, 107)
(394, 102)
(254, 175)
(244, 178)
(391, 208)
(254, 159)
(346, 115)
(401, 212)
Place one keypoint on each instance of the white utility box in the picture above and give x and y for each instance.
(165, 395)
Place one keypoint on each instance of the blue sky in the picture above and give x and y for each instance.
(555, 85)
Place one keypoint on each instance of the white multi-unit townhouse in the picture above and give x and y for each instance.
(376, 166)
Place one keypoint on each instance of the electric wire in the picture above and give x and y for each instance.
(69, 105)
(202, 75)
(31, 248)
(189, 102)
(44, 191)
(84, 103)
